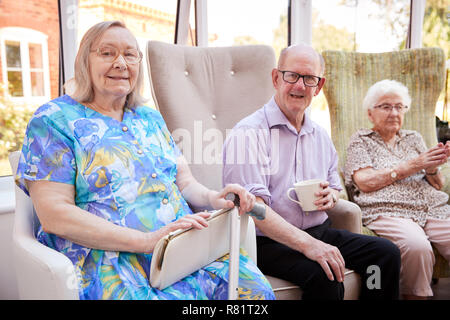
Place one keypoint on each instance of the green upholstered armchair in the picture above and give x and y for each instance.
(350, 74)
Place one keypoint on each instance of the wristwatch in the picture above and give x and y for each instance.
(394, 174)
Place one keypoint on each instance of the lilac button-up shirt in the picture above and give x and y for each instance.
(265, 154)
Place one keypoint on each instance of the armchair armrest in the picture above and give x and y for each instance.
(43, 273)
(346, 215)
(446, 173)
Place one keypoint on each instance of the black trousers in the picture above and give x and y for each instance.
(360, 252)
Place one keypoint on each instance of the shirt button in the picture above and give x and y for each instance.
(165, 201)
(153, 175)
(124, 129)
(139, 151)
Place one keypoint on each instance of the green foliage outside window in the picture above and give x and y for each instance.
(14, 118)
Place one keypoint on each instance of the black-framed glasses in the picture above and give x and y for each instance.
(386, 107)
(308, 80)
(110, 54)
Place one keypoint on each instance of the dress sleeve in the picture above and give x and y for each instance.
(47, 153)
(357, 157)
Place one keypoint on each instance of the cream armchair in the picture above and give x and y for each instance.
(202, 93)
(42, 273)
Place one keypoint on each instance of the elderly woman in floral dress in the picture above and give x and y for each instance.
(396, 179)
(107, 181)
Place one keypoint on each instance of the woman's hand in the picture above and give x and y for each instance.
(218, 201)
(325, 201)
(447, 148)
(432, 158)
(196, 221)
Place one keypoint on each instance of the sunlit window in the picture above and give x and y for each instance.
(29, 78)
(357, 25)
(436, 33)
(25, 67)
(237, 22)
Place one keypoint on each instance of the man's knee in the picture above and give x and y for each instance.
(387, 251)
(319, 287)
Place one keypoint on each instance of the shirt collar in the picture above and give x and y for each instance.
(275, 117)
(401, 133)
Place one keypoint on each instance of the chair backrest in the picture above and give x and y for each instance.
(350, 74)
(203, 92)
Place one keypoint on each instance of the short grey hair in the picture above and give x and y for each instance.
(81, 86)
(384, 87)
(285, 51)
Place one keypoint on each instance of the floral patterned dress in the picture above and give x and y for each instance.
(123, 172)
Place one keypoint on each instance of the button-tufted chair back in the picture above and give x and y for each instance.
(203, 92)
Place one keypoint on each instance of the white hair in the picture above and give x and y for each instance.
(384, 87)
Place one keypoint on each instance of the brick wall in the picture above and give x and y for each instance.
(41, 16)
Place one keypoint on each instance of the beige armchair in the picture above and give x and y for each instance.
(350, 74)
(41, 272)
(202, 93)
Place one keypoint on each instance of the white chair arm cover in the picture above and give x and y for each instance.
(249, 243)
(346, 215)
(43, 273)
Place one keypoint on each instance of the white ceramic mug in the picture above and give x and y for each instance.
(305, 191)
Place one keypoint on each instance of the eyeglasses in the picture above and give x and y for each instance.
(385, 107)
(308, 81)
(110, 54)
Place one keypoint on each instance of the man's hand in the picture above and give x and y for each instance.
(325, 197)
(328, 256)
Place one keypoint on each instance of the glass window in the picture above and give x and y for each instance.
(37, 83)
(35, 50)
(29, 67)
(436, 33)
(356, 25)
(237, 22)
(13, 54)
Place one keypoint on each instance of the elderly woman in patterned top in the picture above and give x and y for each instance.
(395, 179)
(107, 181)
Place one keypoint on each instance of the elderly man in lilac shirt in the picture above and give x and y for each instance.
(278, 145)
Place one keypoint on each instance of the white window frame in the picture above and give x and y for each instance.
(26, 36)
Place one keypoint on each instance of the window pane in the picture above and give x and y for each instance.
(35, 55)
(436, 33)
(360, 25)
(237, 22)
(37, 84)
(27, 28)
(13, 54)
(356, 25)
(15, 83)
